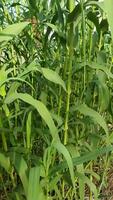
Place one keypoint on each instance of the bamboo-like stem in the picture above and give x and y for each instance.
(90, 44)
(60, 89)
(83, 40)
(100, 41)
(70, 60)
(91, 168)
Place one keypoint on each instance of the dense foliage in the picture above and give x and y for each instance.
(56, 97)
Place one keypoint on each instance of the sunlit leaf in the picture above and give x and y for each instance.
(11, 31)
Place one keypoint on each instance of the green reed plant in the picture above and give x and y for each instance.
(56, 99)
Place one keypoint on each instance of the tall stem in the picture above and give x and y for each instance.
(70, 60)
(83, 39)
(60, 89)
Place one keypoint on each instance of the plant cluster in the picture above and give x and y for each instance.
(56, 97)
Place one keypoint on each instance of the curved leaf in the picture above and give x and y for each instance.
(100, 67)
(40, 107)
(11, 31)
(53, 76)
(62, 149)
(89, 183)
(49, 121)
(82, 159)
(108, 8)
(85, 110)
(47, 73)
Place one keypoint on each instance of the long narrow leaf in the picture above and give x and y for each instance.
(62, 149)
(85, 110)
(40, 107)
(34, 187)
(11, 31)
(82, 159)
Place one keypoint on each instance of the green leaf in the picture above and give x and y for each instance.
(93, 17)
(71, 5)
(53, 185)
(33, 4)
(28, 131)
(103, 97)
(82, 159)
(31, 67)
(75, 15)
(92, 173)
(100, 67)
(15, 79)
(48, 119)
(99, 5)
(3, 78)
(62, 149)
(88, 182)
(53, 27)
(47, 73)
(21, 168)
(108, 8)
(5, 162)
(56, 30)
(34, 187)
(85, 110)
(53, 76)
(80, 168)
(40, 107)
(13, 88)
(11, 31)
(103, 92)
